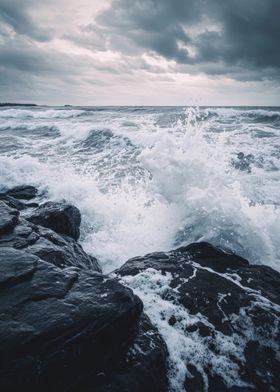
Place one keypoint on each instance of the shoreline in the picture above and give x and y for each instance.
(197, 294)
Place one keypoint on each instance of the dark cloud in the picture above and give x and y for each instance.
(250, 34)
(23, 56)
(60, 48)
(14, 13)
(156, 25)
(235, 33)
(31, 72)
(28, 70)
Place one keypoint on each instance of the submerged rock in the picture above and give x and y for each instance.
(57, 326)
(218, 315)
(243, 162)
(61, 217)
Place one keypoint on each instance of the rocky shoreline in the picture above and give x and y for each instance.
(210, 320)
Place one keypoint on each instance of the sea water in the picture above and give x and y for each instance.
(153, 178)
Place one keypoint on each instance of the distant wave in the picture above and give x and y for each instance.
(39, 113)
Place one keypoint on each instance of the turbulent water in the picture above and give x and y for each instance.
(153, 178)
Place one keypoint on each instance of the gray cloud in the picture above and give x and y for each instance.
(47, 51)
(15, 14)
(202, 33)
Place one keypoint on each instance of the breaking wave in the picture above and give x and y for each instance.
(149, 179)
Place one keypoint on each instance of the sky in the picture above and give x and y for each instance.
(140, 52)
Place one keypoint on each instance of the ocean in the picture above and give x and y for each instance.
(153, 178)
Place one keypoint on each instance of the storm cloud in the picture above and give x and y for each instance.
(15, 13)
(200, 32)
(178, 47)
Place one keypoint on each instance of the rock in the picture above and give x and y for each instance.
(143, 369)
(58, 326)
(12, 202)
(59, 250)
(243, 162)
(212, 257)
(60, 217)
(17, 266)
(31, 205)
(263, 279)
(217, 314)
(203, 253)
(17, 204)
(24, 192)
(8, 218)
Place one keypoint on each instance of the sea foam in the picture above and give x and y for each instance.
(153, 179)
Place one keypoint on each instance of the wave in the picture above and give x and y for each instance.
(40, 113)
(195, 175)
(258, 115)
(149, 188)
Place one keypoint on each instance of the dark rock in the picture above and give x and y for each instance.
(8, 218)
(262, 278)
(59, 250)
(243, 162)
(60, 217)
(12, 202)
(18, 266)
(58, 326)
(172, 321)
(24, 192)
(51, 331)
(31, 205)
(203, 253)
(209, 256)
(17, 204)
(143, 368)
(224, 306)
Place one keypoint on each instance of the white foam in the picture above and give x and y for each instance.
(181, 188)
(195, 174)
(190, 348)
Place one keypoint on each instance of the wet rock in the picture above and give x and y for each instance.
(59, 250)
(58, 326)
(24, 192)
(61, 217)
(143, 368)
(263, 279)
(31, 205)
(8, 218)
(15, 203)
(17, 266)
(70, 328)
(223, 311)
(12, 202)
(243, 162)
(210, 256)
